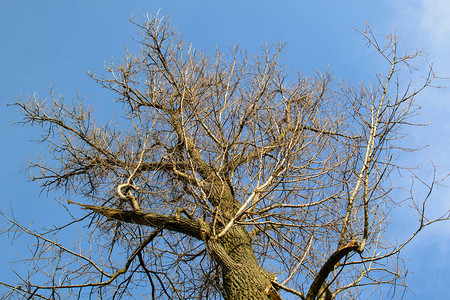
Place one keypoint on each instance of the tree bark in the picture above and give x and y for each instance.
(243, 277)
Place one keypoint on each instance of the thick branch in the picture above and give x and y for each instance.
(193, 228)
(328, 267)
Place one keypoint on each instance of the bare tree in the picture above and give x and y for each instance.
(225, 178)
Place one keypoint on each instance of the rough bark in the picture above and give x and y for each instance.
(243, 277)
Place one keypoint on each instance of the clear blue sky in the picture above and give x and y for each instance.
(54, 43)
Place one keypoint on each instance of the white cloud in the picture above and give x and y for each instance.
(424, 24)
(435, 23)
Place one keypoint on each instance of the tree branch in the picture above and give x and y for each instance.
(193, 228)
(328, 267)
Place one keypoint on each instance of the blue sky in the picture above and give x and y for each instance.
(54, 43)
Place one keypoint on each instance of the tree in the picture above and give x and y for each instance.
(225, 178)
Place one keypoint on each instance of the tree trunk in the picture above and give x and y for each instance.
(243, 277)
(246, 282)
